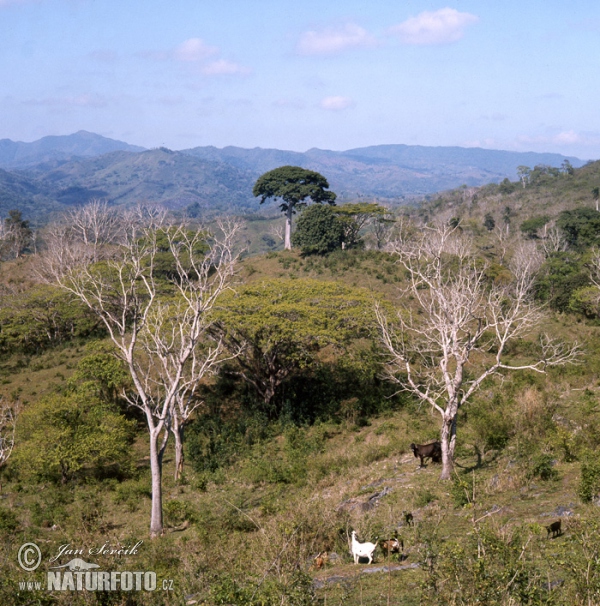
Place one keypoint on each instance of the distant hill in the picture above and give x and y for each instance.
(159, 176)
(57, 172)
(16, 154)
(390, 171)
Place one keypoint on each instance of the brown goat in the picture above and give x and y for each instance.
(321, 560)
(390, 546)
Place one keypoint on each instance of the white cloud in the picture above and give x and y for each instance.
(488, 143)
(336, 103)
(333, 40)
(194, 49)
(203, 57)
(570, 137)
(440, 27)
(222, 67)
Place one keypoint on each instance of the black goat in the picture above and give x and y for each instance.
(431, 451)
(408, 518)
(554, 529)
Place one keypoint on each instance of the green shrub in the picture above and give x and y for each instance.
(318, 230)
(295, 589)
(88, 511)
(65, 436)
(488, 567)
(542, 467)
(178, 512)
(490, 424)
(8, 520)
(589, 483)
(460, 490)
(52, 507)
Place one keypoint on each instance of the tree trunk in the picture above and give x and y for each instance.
(288, 228)
(156, 464)
(448, 439)
(177, 430)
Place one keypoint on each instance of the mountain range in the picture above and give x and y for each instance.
(56, 172)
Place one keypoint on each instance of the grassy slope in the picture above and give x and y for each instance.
(248, 523)
(243, 521)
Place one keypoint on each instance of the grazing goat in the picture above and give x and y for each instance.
(394, 545)
(431, 451)
(362, 550)
(554, 529)
(408, 518)
(321, 560)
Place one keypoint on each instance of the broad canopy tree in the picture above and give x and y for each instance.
(278, 327)
(453, 329)
(294, 186)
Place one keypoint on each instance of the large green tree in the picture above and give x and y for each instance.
(293, 185)
(581, 227)
(278, 326)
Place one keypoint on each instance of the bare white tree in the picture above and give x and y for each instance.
(553, 241)
(277, 231)
(450, 311)
(156, 322)
(176, 336)
(94, 224)
(503, 239)
(595, 267)
(85, 235)
(8, 425)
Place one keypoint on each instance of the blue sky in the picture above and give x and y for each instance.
(518, 74)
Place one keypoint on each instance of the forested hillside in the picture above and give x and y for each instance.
(242, 414)
(17, 154)
(57, 173)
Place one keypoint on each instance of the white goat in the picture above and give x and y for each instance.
(362, 550)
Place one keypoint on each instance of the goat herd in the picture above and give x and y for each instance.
(395, 545)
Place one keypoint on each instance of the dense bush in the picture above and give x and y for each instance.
(560, 276)
(318, 230)
(581, 227)
(63, 436)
